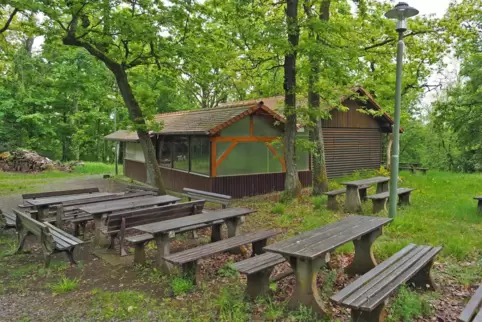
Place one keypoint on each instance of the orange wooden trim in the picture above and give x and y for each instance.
(213, 159)
(225, 153)
(251, 125)
(244, 138)
(281, 160)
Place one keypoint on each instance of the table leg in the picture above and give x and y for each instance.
(233, 225)
(163, 242)
(42, 212)
(99, 238)
(216, 232)
(480, 206)
(306, 290)
(382, 187)
(352, 200)
(364, 259)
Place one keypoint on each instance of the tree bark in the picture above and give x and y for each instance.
(292, 184)
(389, 152)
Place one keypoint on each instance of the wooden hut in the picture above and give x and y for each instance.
(235, 149)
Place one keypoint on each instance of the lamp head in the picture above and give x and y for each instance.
(401, 12)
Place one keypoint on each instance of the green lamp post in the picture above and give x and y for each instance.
(400, 13)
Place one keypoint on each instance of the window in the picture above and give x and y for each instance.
(165, 152)
(134, 152)
(265, 126)
(200, 154)
(302, 150)
(180, 152)
(238, 128)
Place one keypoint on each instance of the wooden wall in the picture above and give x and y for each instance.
(351, 118)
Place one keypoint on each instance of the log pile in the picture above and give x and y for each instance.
(28, 162)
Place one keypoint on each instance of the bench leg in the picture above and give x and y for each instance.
(404, 199)
(480, 206)
(258, 247)
(233, 225)
(412, 170)
(47, 257)
(216, 233)
(424, 171)
(191, 271)
(377, 315)
(70, 256)
(332, 204)
(76, 229)
(423, 279)
(363, 261)
(352, 200)
(363, 194)
(163, 249)
(382, 187)
(379, 205)
(42, 212)
(306, 290)
(99, 238)
(140, 253)
(59, 214)
(258, 284)
(21, 235)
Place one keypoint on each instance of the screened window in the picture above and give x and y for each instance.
(302, 150)
(200, 155)
(165, 152)
(134, 152)
(247, 158)
(265, 126)
(239, 128)
(180, 152)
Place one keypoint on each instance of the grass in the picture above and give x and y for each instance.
(408, 305)
(180, 285)
(65, 285)
(16, 182)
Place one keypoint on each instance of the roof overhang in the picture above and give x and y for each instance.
(124, 136)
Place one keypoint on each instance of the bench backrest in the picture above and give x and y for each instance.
(58, 193)
(136, 188)
(224, 200)
(150, 215)
(24, 221)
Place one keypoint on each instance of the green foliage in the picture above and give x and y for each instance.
(227, 270)
(181, 285)
(408, 306)
(318, 202)
(231, 305)
(278, 208)
(65, 285)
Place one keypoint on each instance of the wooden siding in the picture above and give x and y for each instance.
(135, 170)
(176, 180)
(351, 118)
(348, 150)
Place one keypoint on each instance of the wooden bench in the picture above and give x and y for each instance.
(187, 260)
(223, 200)
(423, 170)
(258, 271)
(52, 239)
(118, 223)
(473, 310)
(139, 188)
(8, 219)
(366, 295)
(332, 204)
(479, 204)
(380, 199)
(58, 193)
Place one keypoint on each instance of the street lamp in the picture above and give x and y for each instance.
(400, 12)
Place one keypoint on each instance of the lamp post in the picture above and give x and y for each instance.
(400, 12)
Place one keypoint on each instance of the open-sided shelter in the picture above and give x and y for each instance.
(236, 148)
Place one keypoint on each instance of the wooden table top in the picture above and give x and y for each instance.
(116, 205)
(183, 222)
(366, 181)
(315, 243)
(61, 199)
(478, 198)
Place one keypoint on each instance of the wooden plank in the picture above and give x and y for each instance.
(64, 235)
(205, 218)
(139, 238)
(100, 208)
(258, 263)
(190, 191)
(478, 317)
(61, 199)
(32, 225)
(471, 308)
(219, 246)
(112, 197)
(366, 181)
(59, 193)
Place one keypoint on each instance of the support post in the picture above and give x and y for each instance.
(377, 315)
(423, 279)
(163, 242)
(216, 232)
(352, 201)
(364, 259)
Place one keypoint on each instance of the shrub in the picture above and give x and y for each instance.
(317, 202)
(65, 285)
(408, 305)
(180, 285)
(278, 208)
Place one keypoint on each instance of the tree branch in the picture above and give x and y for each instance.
(9, 20)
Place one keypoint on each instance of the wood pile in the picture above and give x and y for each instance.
(29, 161)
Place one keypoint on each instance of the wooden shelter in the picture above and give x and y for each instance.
(235, 148)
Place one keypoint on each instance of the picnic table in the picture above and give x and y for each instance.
(42, 204)
(309, 251)
(352, 200)
(97, 210)
(165, 230)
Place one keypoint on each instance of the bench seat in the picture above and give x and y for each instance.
(258, 270)
(380, 199)
(187, 259)
(366, 295)
(332, 204)
(223, 200)
(473, 310)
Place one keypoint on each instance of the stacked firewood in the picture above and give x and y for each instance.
(29, 161)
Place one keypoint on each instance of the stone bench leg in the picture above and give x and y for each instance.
(423, 279)
(306, 290)
(379, 205)
(163, 242)
(377, 315)
(382, 187)
(233, 225)
(216, 233)
(363, 261)
(332, 204)
(191, 271)
(258, 247)
(258, 284)
(140, 253)
(352, 200)
(363, 194)
(404, 199)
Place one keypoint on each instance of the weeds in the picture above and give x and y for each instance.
(65, 285)
(232, 306)
(180, 285)
(227, 270)
(278, 208)
(408, 305)
(317, 202)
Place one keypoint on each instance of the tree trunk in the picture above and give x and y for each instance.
(292, 184)
(389, 152)
(75, 105)
(154, 177)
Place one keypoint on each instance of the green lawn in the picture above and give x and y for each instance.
(443, 212)
(16, 182)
